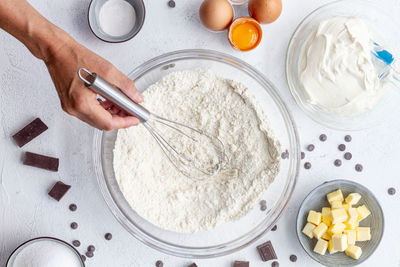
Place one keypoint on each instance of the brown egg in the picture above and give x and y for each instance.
(265, 11)
(216, 15)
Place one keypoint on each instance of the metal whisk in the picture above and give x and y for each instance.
(186, 159)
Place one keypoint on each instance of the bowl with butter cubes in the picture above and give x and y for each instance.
(340, 223)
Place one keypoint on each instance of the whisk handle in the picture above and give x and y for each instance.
(113, 94)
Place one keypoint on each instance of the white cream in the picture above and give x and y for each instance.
(336, 68)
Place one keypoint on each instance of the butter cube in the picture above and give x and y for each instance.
(336, 228)
(336, 204)
(330, 247)
(326, 236)
(321, 246)
(308, 230)
(353, 251)
(352, 213)
(351, 236)
(363, 233)
(353, 198)
(339, 215)
(339, 242)
(314, 217)
(335, 195)
(351, 224)
(319, 230)
(363, 212)
(346, 206)
(326, 216)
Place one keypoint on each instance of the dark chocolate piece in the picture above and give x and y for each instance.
(241, 264)
(29, 132)
(72, 207)
(342, 147)
(275, 264)
(348, 156)
(193, 265)
(337, 163)
(91, 248)
(171, 3)
(323, 137)
(108, 236)
(74, 225)
(83, 258)
(310, 147)
(293, 258)
(303, 155)
(76, 243)
(359, 167)
(59, 190)
(89, 254)
(159, 263)
(285, 154)
(266, 251)
(263, 202)
(41, 161)
(347, 138)
(391, 191)
(263, 207)
(307, 165)
(274, 228)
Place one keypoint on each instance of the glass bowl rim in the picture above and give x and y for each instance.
(263, 227)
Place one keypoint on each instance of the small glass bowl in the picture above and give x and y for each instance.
(381, 23)
(316, 199)
(231, 236)
(20, 248)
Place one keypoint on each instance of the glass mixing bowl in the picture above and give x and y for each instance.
(231, 236)
(385, 27)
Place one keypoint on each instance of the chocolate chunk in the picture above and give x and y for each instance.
(241, 264)
(91, 248)
(159, 263)
(337, 163)
(274, 228)
(29, 132)
(323, 137)
(74, 225)
(266, 251)
(89, 254)
(72, 207)
(303, 155)
(293, 258)
(193, 265)
(347, 138)
(348, 156)
(59, 190)
(171, 3)
(285, 154)
(310, 147)
(342, 147)
(391, 191)
(359, 167)
(76, 243)
(41, 161)
(275, 264)
(263, 202)
(108, 236)
(263, 207)
(307, 165)
(83, 258)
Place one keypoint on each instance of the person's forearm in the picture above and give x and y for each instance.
(21, 20)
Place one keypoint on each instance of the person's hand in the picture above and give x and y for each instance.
(78, 100)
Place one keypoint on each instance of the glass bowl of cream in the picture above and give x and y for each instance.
(330, 68)
(231, 235)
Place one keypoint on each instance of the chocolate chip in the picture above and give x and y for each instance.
(29, 132)
(307, 165)
(108, 236)
(303, 155)
(89, 254)
(348, 156)
(347, 138)
(337, 163)
(76, 243)
(342, 147)
(159, 263)
(72, 207)
(285, 154)
(275, 264)
(59, 190)
(91, 248)
(74, 225)
(323, 137)
(310, 147)
(241, 264)
(263, 207)
(293, 258)
(41, 161)
(83, 257)
(391, 191)
(274, 228)
(171, 3)
(359, 167)
(266, 251)
(193, 265)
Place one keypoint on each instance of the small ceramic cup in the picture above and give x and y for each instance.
(94, 24)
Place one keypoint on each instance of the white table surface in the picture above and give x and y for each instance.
(26, 211)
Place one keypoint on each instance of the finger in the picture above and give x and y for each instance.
(125, 84)
(106, 104)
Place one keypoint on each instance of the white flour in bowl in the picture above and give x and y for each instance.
(224, 108)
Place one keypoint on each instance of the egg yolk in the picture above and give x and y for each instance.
(245, 35)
